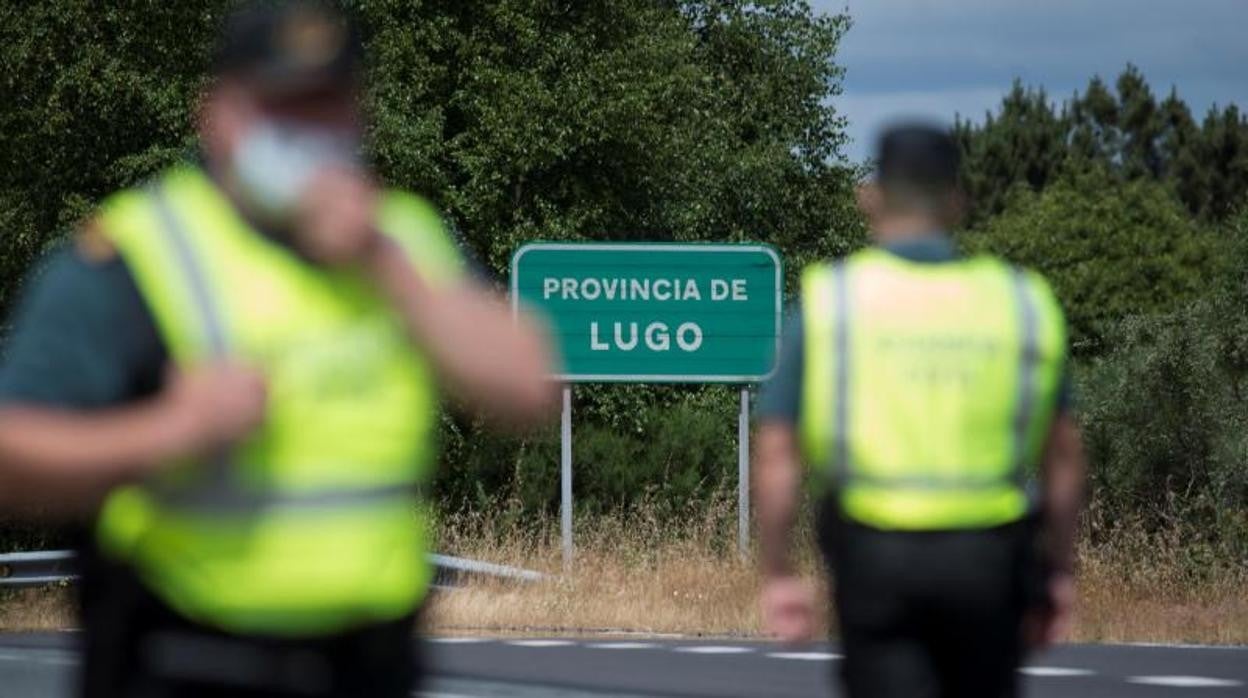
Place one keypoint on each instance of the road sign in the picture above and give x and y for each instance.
(656, 312)
(649, 312)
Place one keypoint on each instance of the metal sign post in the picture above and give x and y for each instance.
(565, 476)
(743, 474)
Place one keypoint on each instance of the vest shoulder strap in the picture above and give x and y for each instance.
(825, 314)
(416, 225)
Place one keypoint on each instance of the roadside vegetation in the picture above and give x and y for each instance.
(699, 121)
(643, 573)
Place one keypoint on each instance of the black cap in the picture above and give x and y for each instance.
(918, 157)
(289, 46)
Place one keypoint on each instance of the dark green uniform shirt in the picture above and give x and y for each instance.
(82, 337)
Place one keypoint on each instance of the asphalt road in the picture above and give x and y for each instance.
(42, 666)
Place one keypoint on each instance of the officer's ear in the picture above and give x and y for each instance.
(957, 204)
(870, 200)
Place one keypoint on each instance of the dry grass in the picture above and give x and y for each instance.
(633, 574)
(1158, 588)
(46, 608)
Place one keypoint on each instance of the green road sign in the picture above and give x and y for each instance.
(656, 312)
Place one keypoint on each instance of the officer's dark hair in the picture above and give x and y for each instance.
(917, 167)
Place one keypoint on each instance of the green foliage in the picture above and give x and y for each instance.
(92, 98)
(1111, 249)
(1124, 131)
(524, 119)
(674, 452)
(625, 120)
(1164, 413)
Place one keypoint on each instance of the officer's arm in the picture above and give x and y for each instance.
(497, 364)
(1063, 473)
(68, 458)
(777, 478)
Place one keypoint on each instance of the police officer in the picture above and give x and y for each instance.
(235, 371)
(923, 389)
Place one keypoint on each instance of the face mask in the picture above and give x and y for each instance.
(276, 161)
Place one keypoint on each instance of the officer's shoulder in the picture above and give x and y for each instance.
(1039, 284)
(1036, 279)
(92, 245)
(82, 269)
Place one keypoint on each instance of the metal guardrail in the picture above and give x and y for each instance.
(36, 568)
(57, 567)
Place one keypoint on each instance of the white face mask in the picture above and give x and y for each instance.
(275, 162)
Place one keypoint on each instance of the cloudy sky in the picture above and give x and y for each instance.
(938, 58)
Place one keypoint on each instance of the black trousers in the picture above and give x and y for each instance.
(934, 614)
(137, 647)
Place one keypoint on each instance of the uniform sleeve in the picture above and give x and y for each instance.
(781, 396)
(81, 337)
(1066, 394)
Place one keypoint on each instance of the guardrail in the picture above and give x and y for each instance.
(36, 568)
(57, 567)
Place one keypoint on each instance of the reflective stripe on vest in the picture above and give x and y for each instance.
(845, 385)
(312, 524)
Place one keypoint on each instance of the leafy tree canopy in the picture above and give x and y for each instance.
(523, 119)
(1111, 249)
(1125, 131)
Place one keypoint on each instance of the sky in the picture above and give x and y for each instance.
(939, 58)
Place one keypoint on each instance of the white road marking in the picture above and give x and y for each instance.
(1055, 671)
(439, 694)
(540, 643)
(1177, 646)
(457, 640)
(805, 656)
(713, 649)
(623, 646)
(1184, 681)
(40, 656)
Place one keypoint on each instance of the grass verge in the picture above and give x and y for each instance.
(640, 573)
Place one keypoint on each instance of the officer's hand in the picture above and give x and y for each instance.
(788, 606)
(213, 405)
(334, 222)
(1053, 623)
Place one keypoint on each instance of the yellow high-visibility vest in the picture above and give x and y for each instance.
(312, 524)
(928, 389)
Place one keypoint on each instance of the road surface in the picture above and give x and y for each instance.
(42, 666)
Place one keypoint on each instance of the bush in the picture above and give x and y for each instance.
(1165, 413)
(671, 447)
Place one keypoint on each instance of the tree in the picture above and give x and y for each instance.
(92, 98)
(1111, 249)
(691, 120)
(1024, 143)
(1123, 131)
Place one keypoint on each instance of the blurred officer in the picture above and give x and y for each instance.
(235, 371)
(922, 389)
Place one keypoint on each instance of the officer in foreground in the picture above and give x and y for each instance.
(234, 374)
(923, 389)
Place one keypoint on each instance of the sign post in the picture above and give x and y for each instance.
(743, 474)
(655, 313)
(565, 476)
